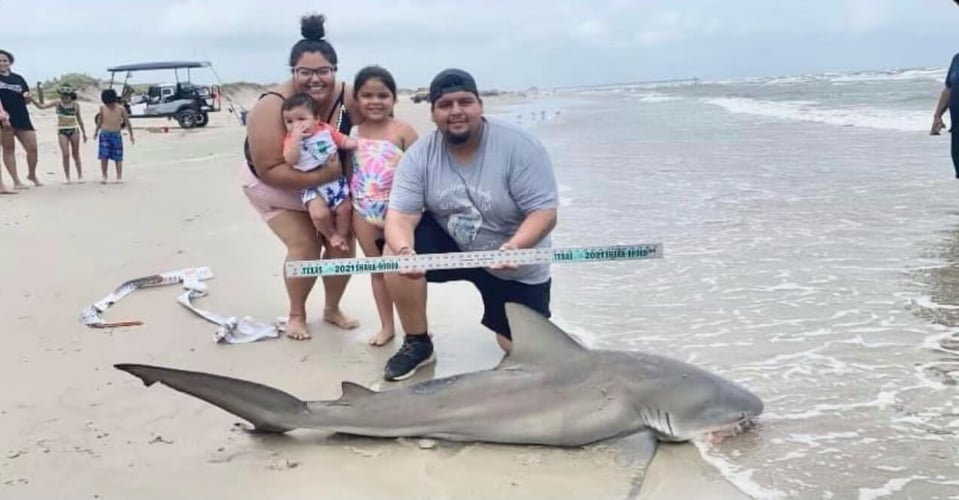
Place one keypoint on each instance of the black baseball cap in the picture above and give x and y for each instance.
(452, 80)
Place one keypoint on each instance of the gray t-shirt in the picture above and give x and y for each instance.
(482, 204)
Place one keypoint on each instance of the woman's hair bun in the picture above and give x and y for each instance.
(311, 26)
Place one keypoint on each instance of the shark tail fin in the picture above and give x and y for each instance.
(268, 409)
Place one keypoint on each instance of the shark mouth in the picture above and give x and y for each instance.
(666, 427)
(717, 434)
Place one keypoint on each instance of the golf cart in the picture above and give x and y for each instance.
(187, 103)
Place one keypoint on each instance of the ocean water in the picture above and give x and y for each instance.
(811, 235)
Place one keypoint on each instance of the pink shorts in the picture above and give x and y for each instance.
(268, 200)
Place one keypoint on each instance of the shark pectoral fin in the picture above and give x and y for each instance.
(268, 409)
(536, 339)
(353, 391)
(636, 454)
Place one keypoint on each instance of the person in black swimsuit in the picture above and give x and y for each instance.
(15, 95)
(273, 187)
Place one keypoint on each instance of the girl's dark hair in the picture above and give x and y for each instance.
(10, 56)
(298, 100)
(378, 73)
(311, 28)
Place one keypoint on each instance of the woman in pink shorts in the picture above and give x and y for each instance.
(273, 187)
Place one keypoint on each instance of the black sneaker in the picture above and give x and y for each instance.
(414, 353)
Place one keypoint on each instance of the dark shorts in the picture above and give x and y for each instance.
(19, 124)
(430, 237)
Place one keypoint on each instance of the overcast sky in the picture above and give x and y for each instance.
(505, 43)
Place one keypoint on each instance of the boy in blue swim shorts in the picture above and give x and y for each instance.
(110, 122)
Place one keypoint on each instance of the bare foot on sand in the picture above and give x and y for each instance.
(4, 190)
(20, 185)
(34, 180)
(296, 327)
(337, 318)
(382, 338)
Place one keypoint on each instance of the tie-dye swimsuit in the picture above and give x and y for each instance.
(374, 162)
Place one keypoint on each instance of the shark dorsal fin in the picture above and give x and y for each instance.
(536, 339)
(353, 391)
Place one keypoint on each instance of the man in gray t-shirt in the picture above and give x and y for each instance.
(474, 183)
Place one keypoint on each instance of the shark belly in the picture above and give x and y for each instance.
(516, 409)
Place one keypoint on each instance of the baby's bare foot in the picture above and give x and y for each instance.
(338, 242)
(337, 318)
(382, 337)
(296, 327)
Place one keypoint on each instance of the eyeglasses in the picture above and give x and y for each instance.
(308, 72)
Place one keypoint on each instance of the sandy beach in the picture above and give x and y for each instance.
(74, 427)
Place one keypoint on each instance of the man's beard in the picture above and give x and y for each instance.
(458, 138)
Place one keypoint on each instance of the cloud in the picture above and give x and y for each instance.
(540, 23)
(506, 41)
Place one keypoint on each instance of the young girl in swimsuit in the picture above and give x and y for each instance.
(382, 140)
(69, 128)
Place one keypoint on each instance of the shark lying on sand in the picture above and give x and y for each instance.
(550, 390)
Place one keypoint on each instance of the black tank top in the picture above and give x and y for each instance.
(343, 124)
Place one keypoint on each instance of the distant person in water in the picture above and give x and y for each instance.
(110, 122)
(69, 128)
(950, 100)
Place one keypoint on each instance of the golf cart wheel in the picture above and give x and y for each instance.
(202, 119)
(187, 118)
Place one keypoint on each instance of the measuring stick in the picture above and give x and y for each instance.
(463, 260)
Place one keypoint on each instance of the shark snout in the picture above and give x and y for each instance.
(750, 403)
(728, 409)
(701, 407)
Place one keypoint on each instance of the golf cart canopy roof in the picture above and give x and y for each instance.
(160, 65)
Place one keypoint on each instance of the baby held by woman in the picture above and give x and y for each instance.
(311, 143)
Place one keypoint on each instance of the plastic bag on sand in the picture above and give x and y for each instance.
(231, 329)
